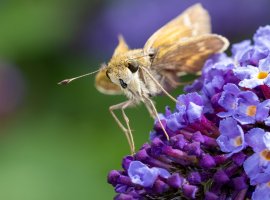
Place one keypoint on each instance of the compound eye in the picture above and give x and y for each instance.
(133, 66)
(122, 83)
(107, 74)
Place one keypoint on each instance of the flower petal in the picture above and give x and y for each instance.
(264, 64)
(245, 72)
(141, 174)
(231, 139)
(262, 191)
(254, 139)
(251, 83)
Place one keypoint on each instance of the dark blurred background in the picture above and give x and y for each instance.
(60, 142)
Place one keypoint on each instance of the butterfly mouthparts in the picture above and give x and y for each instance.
(122, 83)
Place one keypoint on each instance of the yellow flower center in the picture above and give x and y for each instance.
(262, 75)
(266, 154)
(268, 184)
(238, 141)
(251, 111)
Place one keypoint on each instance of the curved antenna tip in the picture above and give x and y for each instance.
(64, 82)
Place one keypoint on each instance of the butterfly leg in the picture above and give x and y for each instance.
(128, 103)
(152, 107)
(150, 110)
(158, 84)
(127, 130)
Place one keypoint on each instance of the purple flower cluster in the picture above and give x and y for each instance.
(219, 145)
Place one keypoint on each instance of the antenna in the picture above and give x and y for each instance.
(67, 81)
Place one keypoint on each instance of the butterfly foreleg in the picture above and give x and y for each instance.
(127, 131)
(128, 103)
(149, 104)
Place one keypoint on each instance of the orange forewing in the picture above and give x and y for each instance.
(192, 22)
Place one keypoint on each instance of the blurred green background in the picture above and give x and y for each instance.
(60, 142)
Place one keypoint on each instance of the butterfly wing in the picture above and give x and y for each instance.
(184, 44)
(192, 22)
(189, 55)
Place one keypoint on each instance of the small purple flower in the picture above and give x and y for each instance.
(126, 161)
(190, 191)
(251, 76)
(254, 139)
(262, 111)
(257, 166)
(207, 162)
(261, 37)
(239, 158)
(221, 177)
(244, 106)
(229, 99)
(176, 120)
(266, 139)
(251, 111)
(240, 48)
(216, 73)
(251, 56)
(262, 191)
(175, 180)
(240, 183)
(194, 178)
(143, 175)
(160, 186)
(188, 110)
(211, 196)
(192, 103)
(120, 188)
(231, 139)
(124, 197)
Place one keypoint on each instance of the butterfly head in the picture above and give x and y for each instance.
(122, 71)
